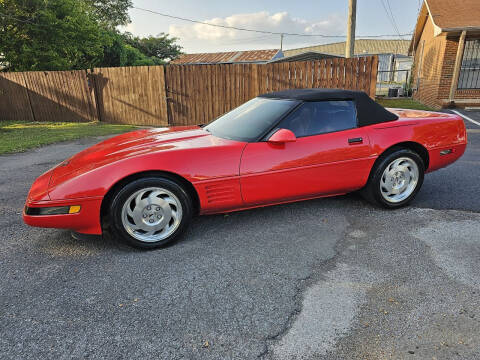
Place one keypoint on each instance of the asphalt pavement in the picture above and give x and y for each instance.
(323, 279)
(457, 186)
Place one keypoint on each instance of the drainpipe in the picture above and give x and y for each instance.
(456, 69)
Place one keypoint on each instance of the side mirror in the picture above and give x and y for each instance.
(282, 136)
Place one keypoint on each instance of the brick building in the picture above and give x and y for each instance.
(446, 49)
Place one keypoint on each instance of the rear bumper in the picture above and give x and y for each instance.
(439, 160)
(87, 221)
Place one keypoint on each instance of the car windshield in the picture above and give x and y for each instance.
(251, 120)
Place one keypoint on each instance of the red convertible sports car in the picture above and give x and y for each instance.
(291, 145)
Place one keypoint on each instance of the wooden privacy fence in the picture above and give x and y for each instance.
(46, 96)
(168, 95)
(198, 94)
(131, 95)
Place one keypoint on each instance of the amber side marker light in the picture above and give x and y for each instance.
(55, 210)
(74, 209)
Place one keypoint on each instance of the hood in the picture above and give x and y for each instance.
(134, 144)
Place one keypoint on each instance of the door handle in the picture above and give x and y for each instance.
(353, 141)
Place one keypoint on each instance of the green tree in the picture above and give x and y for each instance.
(112, 12)
(133, 57)
(113, 51)
(49, 35)
(162, 47)
(74, 34)
(118, 53)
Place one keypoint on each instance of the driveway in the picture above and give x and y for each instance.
(456, 186)
(323, 279)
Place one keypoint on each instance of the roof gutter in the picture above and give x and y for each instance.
(460, 29)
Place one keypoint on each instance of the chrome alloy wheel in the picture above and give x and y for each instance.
(151, 214)
(399, 180)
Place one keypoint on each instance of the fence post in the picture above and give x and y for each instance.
(255, 82)
(167, 97)
(373, 77)
(28, 96)
(93, 85)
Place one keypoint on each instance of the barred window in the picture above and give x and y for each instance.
(470, 70)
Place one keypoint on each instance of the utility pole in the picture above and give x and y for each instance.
(281, 42)
(352, 15)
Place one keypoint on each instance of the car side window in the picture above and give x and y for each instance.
(319, 117)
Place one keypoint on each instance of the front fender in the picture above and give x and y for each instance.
(192, 164)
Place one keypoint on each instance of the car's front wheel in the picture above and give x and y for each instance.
(396, 179)
(150, 212)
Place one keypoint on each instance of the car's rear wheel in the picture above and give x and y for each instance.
(396, 179)
(150, 212)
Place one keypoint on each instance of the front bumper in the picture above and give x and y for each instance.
(86, 221)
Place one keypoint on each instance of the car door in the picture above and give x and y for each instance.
(330, 156)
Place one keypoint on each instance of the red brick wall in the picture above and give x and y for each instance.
(449, 57)
(428, 68)
(467, 94)
(436, 71)
(447, 77)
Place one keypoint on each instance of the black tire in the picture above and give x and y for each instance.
(372, 193)
(119, 231)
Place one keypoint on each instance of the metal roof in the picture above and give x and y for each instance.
(311, 55)
(251, 56)
(362, 46)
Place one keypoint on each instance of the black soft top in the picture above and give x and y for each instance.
(368, 111)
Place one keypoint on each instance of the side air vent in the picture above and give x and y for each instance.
(219, 193)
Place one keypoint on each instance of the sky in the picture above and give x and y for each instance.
(326, 17)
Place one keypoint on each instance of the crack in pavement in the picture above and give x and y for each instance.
(326, 329)
(248, 282)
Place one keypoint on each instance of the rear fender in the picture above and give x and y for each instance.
(433, 134)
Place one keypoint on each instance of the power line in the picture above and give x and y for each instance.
(244, 40)
(258, 31)
(392, 17)
(236, 28)
(420, 4)
(237, 41)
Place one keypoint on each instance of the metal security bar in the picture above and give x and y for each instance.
(469, 77)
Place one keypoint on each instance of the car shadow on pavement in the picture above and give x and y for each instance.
(201, 228)
(66, 243)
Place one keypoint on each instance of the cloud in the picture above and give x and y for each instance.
(201, 37)
(131, 28)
